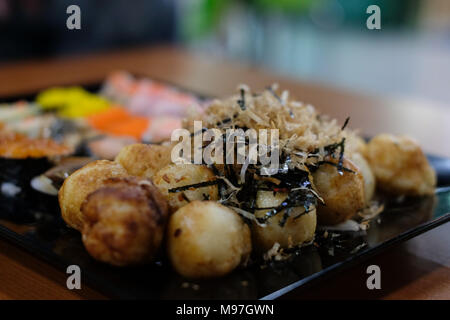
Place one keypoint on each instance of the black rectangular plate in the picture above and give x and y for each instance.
(47, 237)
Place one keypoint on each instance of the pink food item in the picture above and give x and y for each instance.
(119, 87)
(109, 147)
(162, 106)
(161, 128)
(145, 97)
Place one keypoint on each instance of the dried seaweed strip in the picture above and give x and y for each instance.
(194, 186)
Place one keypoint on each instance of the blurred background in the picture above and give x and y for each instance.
(321, 41)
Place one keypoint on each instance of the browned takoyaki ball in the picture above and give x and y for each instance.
(400, 166)
(81, 183)
(144, 160)
(124, 221)
(343, 194)
(367, 173)
(206, 239)
(179, 175)
(299, 227)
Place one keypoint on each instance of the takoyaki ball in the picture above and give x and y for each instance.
(82, 182)
(179, 175)
(400, 166)
(355, 144)
(144, 160)
(124, 222)
(343, 194)
(299, 226)
(206, 239)
(369, 178)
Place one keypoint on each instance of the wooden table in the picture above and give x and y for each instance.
(416, 269)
